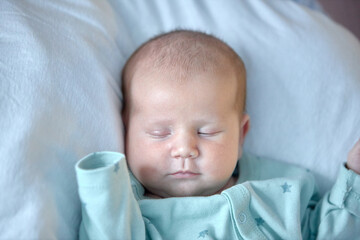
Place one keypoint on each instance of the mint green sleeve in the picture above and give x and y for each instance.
(286, 205)
(337, 215)
(109, 208)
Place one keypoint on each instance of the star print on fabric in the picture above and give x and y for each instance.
(116, 168)
(259, 221)
(286, 187)
(203, 234)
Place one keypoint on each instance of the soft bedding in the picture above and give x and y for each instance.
(60, 99)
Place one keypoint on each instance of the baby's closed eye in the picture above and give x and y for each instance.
(159, 133)
(209, 133)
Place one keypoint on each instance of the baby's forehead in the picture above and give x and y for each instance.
(147, 77)
(152, 86)
(181, 56)
(180, 77)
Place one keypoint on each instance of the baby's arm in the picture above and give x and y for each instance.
(109, 208)
(353, 161)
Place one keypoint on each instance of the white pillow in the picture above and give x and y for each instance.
(60, 66)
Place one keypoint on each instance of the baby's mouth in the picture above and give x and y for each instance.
(184, 174)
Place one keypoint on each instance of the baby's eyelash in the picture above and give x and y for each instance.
(158, 134)
(209, 134)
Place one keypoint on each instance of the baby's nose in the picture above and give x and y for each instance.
(185, 146)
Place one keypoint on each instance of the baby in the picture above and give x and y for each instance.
(185, 124)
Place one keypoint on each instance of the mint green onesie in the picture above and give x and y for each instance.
(272, 200)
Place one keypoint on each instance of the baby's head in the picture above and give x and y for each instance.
(184, 100)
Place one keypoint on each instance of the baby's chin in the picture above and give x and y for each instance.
(184, 192)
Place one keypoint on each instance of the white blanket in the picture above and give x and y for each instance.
(60, 64)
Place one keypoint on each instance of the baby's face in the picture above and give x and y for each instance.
(183, 137)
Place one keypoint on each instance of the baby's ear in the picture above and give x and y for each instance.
(125, 119)
(353, 161)
(244, 127)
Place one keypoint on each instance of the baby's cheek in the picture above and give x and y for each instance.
(147, 161)
(221, 166)
(143, 171)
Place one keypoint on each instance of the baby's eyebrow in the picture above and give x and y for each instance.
(168, 121)
(210, 119)
(159, 122)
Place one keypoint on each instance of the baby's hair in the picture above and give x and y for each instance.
(184, 53)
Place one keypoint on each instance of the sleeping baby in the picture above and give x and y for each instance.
(185, 174)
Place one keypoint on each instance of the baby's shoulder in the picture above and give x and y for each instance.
(254, 168)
